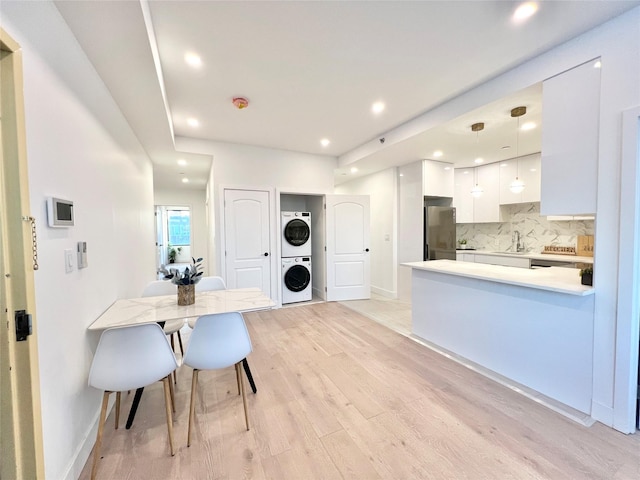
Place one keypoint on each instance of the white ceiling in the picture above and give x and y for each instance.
(313, 69)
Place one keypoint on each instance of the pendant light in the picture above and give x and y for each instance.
(517, 186)
(477, 190)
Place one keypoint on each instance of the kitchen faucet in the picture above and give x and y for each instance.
(516, 239)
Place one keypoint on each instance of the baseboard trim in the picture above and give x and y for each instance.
(384, 293)
(83, 452)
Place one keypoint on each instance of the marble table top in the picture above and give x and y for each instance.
(134, 311)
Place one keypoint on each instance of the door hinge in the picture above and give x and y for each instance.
(325, 289)
(325, 248)
(23, 325)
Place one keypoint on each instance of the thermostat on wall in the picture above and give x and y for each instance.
(59, 212)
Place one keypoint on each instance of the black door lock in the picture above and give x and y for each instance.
(23, 325)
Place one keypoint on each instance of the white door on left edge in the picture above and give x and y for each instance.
(246, 233)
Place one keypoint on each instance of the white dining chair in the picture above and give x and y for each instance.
(217, 341)
(129, 358)
(210, 283)
(171, 327)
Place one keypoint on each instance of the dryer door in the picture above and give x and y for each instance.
(297, 232)
(297, 278)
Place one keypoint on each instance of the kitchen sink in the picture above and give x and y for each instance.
(511, 253)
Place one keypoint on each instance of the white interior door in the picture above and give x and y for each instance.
(246, 233)
(348, 261)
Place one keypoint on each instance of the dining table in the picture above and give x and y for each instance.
(160, 309)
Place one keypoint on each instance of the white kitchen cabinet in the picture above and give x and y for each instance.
(462, 199)
(437, 179)
(527, 169)
(486, 207)
(465, 257)
(507, 261)
(570, 130)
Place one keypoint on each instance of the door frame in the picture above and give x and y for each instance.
(20, 414)
(628, 304)
(222, 260)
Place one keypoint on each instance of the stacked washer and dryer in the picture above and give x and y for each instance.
(296, 257)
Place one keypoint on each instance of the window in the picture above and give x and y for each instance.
(179, 227)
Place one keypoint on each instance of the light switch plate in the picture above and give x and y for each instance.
(68, 260)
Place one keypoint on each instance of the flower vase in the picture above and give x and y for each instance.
(186, 294)
(587, 279)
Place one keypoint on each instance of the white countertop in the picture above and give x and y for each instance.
(554, 279)
(537, 256)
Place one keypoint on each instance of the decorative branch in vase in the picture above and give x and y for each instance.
(185, 280)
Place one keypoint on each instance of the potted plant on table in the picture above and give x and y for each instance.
(463, 243)
(586, 276)
(185, 280)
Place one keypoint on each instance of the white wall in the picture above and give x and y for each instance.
(196, 201)
(79, 147)
(410, 228)
(381, 188)
(244, 166)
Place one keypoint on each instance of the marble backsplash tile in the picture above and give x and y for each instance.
(535, 231)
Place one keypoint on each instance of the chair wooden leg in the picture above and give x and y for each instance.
(192, 405)
(172, 394)
(96, 447)
(244, 394)
(238, 379)
(117, 409)
(166, 381)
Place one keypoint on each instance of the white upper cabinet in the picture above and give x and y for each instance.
(437, 179)
(527, 169)
(570, 120)
(486, 207)
(462, 199)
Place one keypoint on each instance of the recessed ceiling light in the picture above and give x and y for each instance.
(182, 162)
(377, 107)
(325, 142)
(185, 180)
(193, 122)
(437, 154)
(528, 126)
(478, 160)
(193, 59)
(597, 64)
(504, 165)
(447, 168)
(466, 172)
(402, 174)
(524, 11)
(354, 169)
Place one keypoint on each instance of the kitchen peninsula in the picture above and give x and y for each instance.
(532, 326)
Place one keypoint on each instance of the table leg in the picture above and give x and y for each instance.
(134, 407)
(247, 370)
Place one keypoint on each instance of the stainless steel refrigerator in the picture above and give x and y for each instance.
(439, 233)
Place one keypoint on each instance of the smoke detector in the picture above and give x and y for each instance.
(240, 103)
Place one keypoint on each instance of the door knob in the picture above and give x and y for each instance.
(266, 254)
(366, 249)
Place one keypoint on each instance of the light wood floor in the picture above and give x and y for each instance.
(343, 397)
